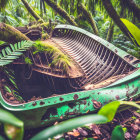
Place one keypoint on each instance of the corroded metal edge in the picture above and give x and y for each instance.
(44, 111)
(70, 96)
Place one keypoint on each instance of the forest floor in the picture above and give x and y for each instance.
(128, 119)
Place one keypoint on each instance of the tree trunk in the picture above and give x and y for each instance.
(110, 32)
(32, 12)
(116, 18)
(10, 34)
(61, 12)
(134, 8)
(3, 4)
(89, 18)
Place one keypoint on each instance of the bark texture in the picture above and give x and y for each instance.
(110, 32)
(89, 18)
(10, 34)
(133, 7)
(116, 18)
(61, 12)
(32, 12)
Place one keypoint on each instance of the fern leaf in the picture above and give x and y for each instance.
(9, 54)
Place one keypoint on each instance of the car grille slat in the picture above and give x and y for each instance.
(96, 60)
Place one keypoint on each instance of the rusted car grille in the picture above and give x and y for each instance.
(96, 60)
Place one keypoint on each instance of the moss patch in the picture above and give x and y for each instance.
(59, 59)
(10, 34)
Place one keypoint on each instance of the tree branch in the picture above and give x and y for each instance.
(61, 12)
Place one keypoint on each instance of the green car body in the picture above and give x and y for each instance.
(48, 110)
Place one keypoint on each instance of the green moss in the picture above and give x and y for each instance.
(28, 61)
(59, 59)
(61, 12)
(45, 36)
(2, 42)
(45, 24)
(10, 34)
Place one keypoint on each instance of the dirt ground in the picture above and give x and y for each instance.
(128, 119)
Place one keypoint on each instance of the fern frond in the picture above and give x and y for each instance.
(9, 54)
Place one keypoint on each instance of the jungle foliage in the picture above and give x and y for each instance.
(112, 20)
(92, 15)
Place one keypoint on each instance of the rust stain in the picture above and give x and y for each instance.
(61, 99)
(134, 92)
(96, 104)
(42, 103)
(49, 112)
(85, 102)
(71, 105)
(70, 113)
(61, 117)
(75, 97)
(34, 104)
(116, 51)
(117, 97)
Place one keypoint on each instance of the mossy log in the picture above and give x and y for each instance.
(116, 18)
(89, 18)
(134, 8)
(10, 34)
(110, 32)
(32, 12)
(61, 12)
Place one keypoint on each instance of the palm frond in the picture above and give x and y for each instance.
(9, 54)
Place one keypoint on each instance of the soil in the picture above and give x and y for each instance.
(129, 119)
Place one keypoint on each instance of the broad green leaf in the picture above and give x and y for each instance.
(69, 125)
(12, 132)
(138, 137)
(13, 126)
(118, 133)
(130, 104)
(6, 117)
(134, 30)
(110, 109)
